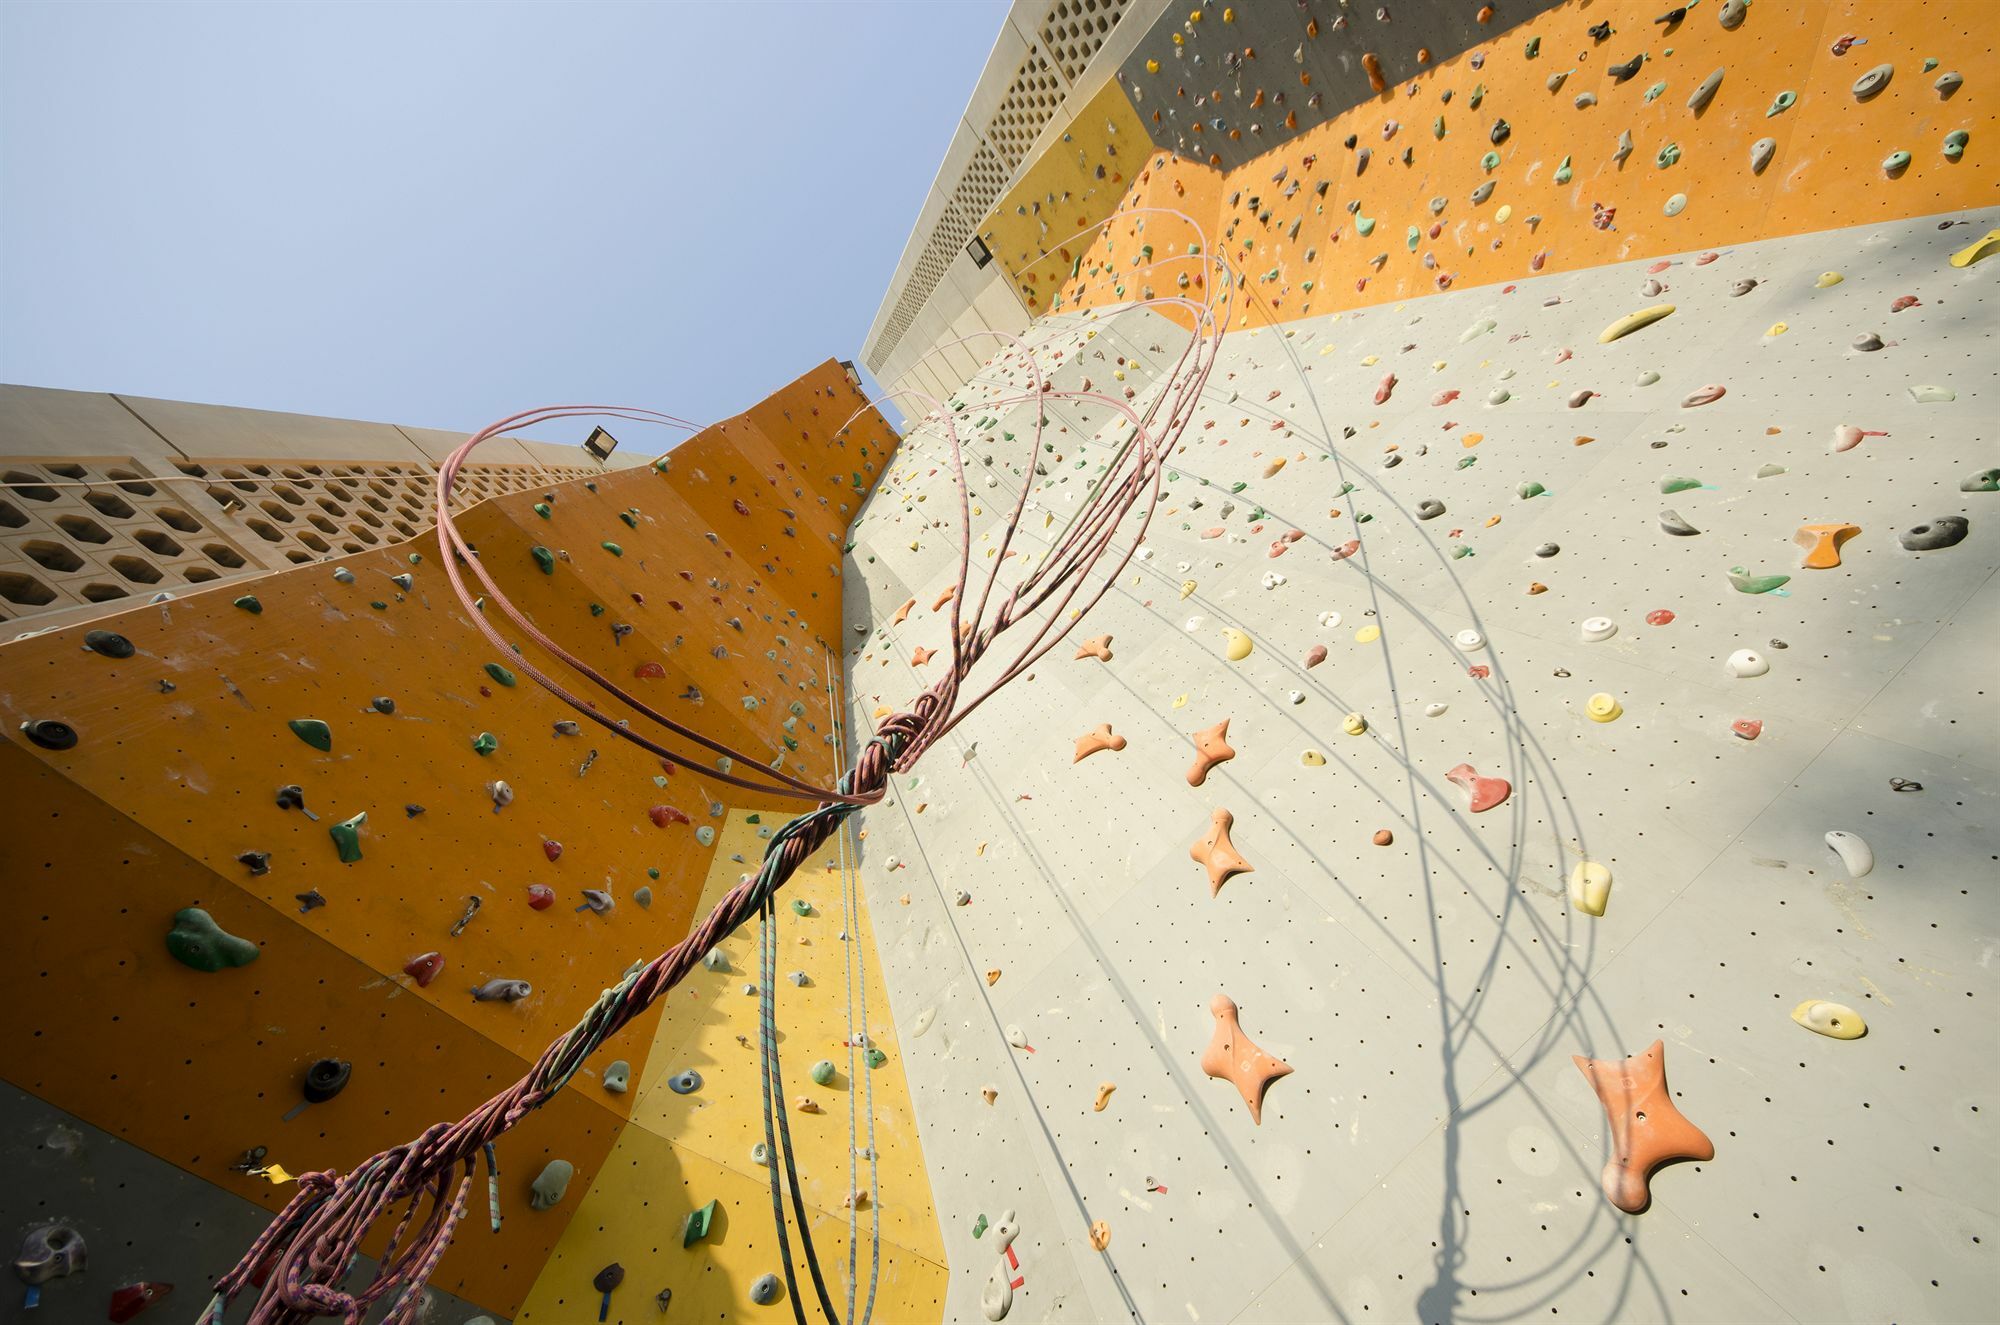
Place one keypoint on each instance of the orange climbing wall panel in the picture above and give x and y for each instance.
(182, 749)
(1827, 172)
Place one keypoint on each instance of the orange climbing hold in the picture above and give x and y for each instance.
(1373, 66)
(1822, 543)
(944, 598)
(1097, 738)
(1210, 749)
(922, 656)
(1217, 854)
(902, 612)
(1646, 1129)
(1098, 648)
(1234, 1057)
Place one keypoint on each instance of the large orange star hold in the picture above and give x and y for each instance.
(1098, 648)
(1646, 1129)
(1234, 1057)
(1216, 853)
(1097, 738)
(1210, 749)
(922, 656)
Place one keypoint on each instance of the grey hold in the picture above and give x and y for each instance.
(1624, 147)
(766, 1290)
(1620, 72)
(1482, 193)
(382, 704)
(551, 1185)
(1761, 153)
(684, 1083)
(1701, 96)
(1430, 508)
(1867, 342)
(1742, 287)
(1947, 84)
(1392, 461)
(1871, 83)
(1671, 521)
(1986, 480)
(1548, 549)
(1732, 14)
(1500, 132)
(502, 991)
(1943, 532)
(108, 643)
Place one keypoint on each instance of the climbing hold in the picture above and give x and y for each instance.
(1312, 758)
(1948, 83)
(1104, 1090)
(1943, 532)
(1632, 322)
(540, 896)
(1747, 663)
(1871, 83)
(382, 704)
(705, 835)
(1469, 641)
(1485, 793)
(766, 1289)
(543, 558)
(1854, 853)
(1748, 583)
(313, 732)
(1234, 1057)
(549, 1187)
(1846, 437)
(502, 991)
(1603, 708)
(822, 1073)
(1732, 13)
(1659, 617)
(1098, 738)
(1761, 153)
(1836, 1021)
(1317, 653)
(1647, 1130)
(1747, 728)
(1236, 644)
(1822, 543)
(1217, 854)
(49, 733)
(52, 1251)
(1676, 204)
(1932, 395)
(196, 940)
(1597, 629)
(1672, 523)
(485, 743)
(1828, 279)
(133, 1299)
(248, 602)
(347, 837)
(1784, 101)
(1354, 724)
(1430, 508)
(697, 1224)
(1954, 143)
(1986, 480)
(500, 674)
(1703, 396)
(1530, 489)
(1667, 155)
(1698, 100)
(1895, 164)
(1589, 887)
(424, 968)
(108, 643)
(687, 1082)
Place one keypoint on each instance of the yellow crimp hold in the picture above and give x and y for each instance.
(1631, 322)
(1984, 247)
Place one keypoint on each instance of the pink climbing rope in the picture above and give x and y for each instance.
(300, 1262)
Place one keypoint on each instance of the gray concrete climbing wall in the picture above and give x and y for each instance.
(1435, 1154)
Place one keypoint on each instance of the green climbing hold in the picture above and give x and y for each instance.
(1986, 480)
(347, 837)
(485, 743)
(1748, 583)
(197, 941)
(1363, 518)
(1563, 173)
(248, 602)
(597, 609)
(313, 732)
(1364, 226)
(876, 1058)
(500, 674)
(1534, 48)
(822, 1073)
(1437, 127)
(1238, 486)
(1653, 92)
(379, 605)
(801, 907)
(1461, 551)
(1467, 461)
(1530, 489)
(1668, 155)
(1490, 162)
(612, 548)
(1954, 143)
(1678, 483)
(631, 520)
(543, 558)
(1412, 238)
(542, 509)
(652, 872)
(979, 1226)
(1783, 102)
(696, 1227)
(753, 818)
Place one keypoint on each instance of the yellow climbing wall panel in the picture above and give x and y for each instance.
(1827, 171)
(682, 1151)
(183, 746)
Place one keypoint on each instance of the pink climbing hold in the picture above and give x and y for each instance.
(1705, 396)
(1658, 267)
(1485, 792)
(1748, 728)
(1659, 617)
(1846, 437)
(1705, 259)
(1445, 397)
(1906, 301)
(1315, 655)
(1383, 391)
(1347, 549)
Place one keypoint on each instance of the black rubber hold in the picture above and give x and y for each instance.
(50, 734)
(327, 1078)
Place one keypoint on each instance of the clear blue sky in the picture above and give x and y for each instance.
(437, 214)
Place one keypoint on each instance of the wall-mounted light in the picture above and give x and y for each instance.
(600, 444)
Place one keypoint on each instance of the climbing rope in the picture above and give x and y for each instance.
(301, 1261)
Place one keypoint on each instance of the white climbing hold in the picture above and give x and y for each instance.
(1836, 1021)
(1017, 1037)
(1748, 662)
(1598, 628)
(1853, 852)
(1469, 641)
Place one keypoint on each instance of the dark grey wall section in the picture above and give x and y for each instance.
(141, 1219)
(1212, 58)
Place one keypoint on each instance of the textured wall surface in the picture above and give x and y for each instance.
(1435, 1154)
(724, 564)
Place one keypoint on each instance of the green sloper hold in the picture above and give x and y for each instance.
(822, 1073)
(597, 609)
(631, 520)
(197, 941)
(485, 743)
(1748, 583)
(612, 548)
(248, 602)
(1986, 480)
(543, 558)
(696, 1227)
(313, 732)
(753, 818)
(1364, 226)
(500, 674)
(1530, 489)
(347, 837)
(1678, 483)
(1563, 173)
(542, 509)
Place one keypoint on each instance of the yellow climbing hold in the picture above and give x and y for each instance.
(1589, 887)
(1834, 1020)
(1311, 758)
(1367, 634)
(1984, 247)
(1354, 724)
(1504, 213)
(1180, 701)
(1778, 329)
(1604, 708)
(1369, 362)
(1471, 439)
(1828, 279)
(1631, 322)
(1187, 587)
(1236, 645)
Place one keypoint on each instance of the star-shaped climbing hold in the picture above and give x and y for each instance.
(1232, 1056)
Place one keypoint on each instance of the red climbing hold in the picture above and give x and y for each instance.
(1383, 391)
(1748, 728)
(551, 849)
(425, 968)
(662, 815)
(650, 671)
(540, 896)
(741, 509)
(1485, 792)
(132, 1299)
(1659, 617)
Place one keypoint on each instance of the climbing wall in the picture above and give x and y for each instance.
(258, 830)
(1585, 652)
